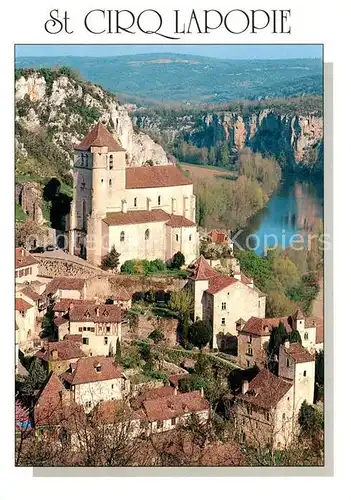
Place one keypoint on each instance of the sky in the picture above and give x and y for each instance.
(258, 51)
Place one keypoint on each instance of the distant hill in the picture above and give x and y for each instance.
(193, 79)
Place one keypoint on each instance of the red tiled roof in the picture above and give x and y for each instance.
(218, 236)
(66, 350)
(203, 270)
(102, 313)
(158, 176)
(50, 402)
(298, 353)
(265, 390)
(99, 136)
(22, 305)
(60, 321)
(179, 221)
(30, 293)
(65, 284)
(23, 258)
(63, 305)
(85, 370)
(122, 294)
(298, 314)
(256, 326)
(218, 283)
(136, 217)
(152, 394)
(175, 406)
(74, 337)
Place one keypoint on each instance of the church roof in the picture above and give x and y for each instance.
(99, 136)
(155, 176)
(146, 216)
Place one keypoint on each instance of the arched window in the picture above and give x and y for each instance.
(189, 237)
(159, 200)
(147, 234)
(110, 162)
(122, 236)
(306, 336)
(135, 202)
(110, 182)
(177, 237)
(102, 180)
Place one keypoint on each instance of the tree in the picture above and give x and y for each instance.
(310, 420)
(48, 325)
(118, 354)
(29, 233)
(295, 336)
(111, 261)
(178, 260)
(200, 333)
(277, 337)
(319, 376)
(36, 378)
(182, 302)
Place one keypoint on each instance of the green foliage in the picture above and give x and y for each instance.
(276, 339)
(48, 325)
(36, 378)
(310, 419)
(200, 333)
(295, 337)
(157, 336)
(20, 215)
(131, 357)
(319, 377)
(118, 354)
(178, 260)
(148, 268)
(111, 261)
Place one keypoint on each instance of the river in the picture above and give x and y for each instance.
(296, 208)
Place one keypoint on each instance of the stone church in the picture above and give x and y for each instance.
(145, 212)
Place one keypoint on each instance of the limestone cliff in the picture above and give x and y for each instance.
(296, 138)
(66, 108)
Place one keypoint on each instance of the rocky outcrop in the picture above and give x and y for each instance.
(67, 108)
(298, 138)
(29, 196)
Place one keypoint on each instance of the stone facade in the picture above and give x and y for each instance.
(104, 185)
(252, 350)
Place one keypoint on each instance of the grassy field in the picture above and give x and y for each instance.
(198, 172)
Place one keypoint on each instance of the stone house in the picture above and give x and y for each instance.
(58, 356)
(30, 293)
(264, 411)
(268, 407)
(66, 288)
(25, 321)
(95, 379)
(100, 325)
(26, 266)
(223, 300)
(147, 212)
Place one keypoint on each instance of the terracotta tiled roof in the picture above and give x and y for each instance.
(22, 305)
(298, 314)
(175, 406)
(99, 136)
(102, 313)
(50, 402)
(122, 294)
(64, 284)
(63, 305)
(86, 372)
(136, 217)
(24, 258)
(152, 394)
(257, 326)
(218, 236)
(266, 390)
(179, 221)
(30, 293)
(218, 283)
(203, 270)
(66, 350)
(298, 353)
(74, 337)
(158, 176)
(60, 321)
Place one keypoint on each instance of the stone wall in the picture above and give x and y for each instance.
(56, 267)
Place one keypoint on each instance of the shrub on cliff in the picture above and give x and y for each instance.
(178, 261)
(111, 261)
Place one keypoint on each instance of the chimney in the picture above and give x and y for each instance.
(244, 386)
(148, 204)
(124, 206)
(287, 344)
(54, 354)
